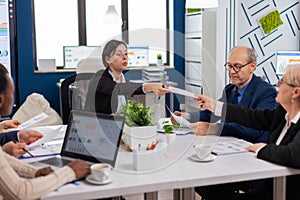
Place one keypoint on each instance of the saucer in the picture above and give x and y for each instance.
(211, 157)
(90, 179)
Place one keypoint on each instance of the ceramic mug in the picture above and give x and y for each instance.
(100, 171)
(203, 150)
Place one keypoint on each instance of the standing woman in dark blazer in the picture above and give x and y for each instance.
(283, 123)
(109, 89)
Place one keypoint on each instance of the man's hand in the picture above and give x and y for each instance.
(29, 136)
(8, 124)
(205, 102)
(204, 128)
(15, 149)
(80, 168)
(44, 171)
(182, 114)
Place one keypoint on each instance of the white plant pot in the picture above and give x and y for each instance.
(159, 62)
(170, 137)
(139, 136)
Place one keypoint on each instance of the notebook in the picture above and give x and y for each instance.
(92, 137)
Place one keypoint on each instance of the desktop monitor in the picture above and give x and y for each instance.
(73, 54)
(138, 56)
(284, 58)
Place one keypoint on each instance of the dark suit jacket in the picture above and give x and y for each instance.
(7, 137)
(287, 153)
(258, 95)
(103, 92)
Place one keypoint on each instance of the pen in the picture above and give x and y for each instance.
(25, 150)
(163, 87)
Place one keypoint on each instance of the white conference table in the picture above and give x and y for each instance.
(178, 172)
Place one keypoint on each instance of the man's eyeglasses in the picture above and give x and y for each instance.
(281, 81)
(235, 67)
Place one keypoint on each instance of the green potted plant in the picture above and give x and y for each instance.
(169, 128)
(169, 131)
(159, 59)
(138, 129)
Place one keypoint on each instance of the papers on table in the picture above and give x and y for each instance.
(49, 136)
(44, 150)
(48, 145)
(229, 147)
(31, 121)
(181, 92)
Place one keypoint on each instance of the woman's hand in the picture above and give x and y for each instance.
(205, 102)
(158, 88)
(8, 124)
(15, 149)
(256, 146)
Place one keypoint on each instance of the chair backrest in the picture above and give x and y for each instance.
(73, 93)
(89, 65)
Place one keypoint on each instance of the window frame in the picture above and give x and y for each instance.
(82, 36)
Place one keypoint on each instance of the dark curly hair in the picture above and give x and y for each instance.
(3, 78)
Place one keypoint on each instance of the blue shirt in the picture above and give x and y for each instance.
(241, 92)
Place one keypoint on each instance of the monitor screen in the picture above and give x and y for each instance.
(138, 56)
(7, 35)
(284, 58)
(73, 54)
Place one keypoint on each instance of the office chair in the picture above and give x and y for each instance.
(89, 65)
(73, 93)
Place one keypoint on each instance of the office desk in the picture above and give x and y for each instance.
(180, 173)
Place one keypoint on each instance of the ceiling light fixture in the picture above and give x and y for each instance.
(111, 16)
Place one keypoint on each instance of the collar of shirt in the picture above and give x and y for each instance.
(123, 80)
(242, 90)
(294, 120)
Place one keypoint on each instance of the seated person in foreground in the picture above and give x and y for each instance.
(8, 138)
(109, 89)
(18, 179)
(246, 90)
(283, 125)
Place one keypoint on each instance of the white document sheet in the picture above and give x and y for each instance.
(49, 135)
(30, 122)
(180, 120)
(181, 92)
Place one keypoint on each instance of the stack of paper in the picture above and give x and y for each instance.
(229, 147)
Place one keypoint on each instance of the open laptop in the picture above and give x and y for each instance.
(92, 137)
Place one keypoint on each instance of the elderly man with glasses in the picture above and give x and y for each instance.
(245, 89)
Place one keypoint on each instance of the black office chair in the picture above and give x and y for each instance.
(73, 93)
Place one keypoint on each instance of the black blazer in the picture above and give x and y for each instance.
(9, 136)
(287, 153)
(103, 92)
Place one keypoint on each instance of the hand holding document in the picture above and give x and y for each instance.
(181, 92)
(30, 122)
(179, 119)
(48, 136)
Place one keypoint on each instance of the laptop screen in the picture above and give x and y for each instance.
(93, 137)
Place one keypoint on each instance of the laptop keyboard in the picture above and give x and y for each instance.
(55, 161)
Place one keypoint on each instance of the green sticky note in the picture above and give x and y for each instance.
(270, 22)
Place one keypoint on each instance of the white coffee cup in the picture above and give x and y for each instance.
(203, 150)
(100, 171)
